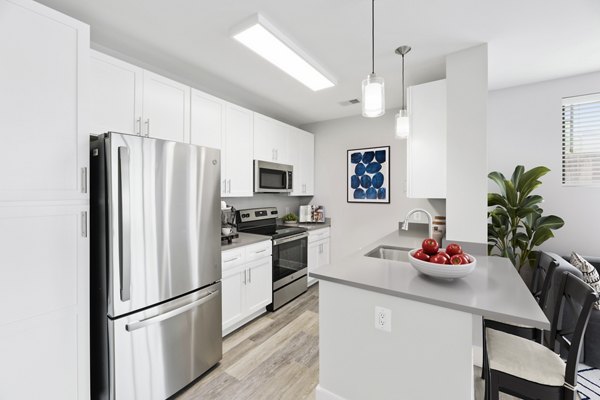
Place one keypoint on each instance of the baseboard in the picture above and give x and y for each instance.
(243, 322)
(324, 394)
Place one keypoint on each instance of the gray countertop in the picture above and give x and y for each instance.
(494, 290)
(244, 240)
(311, 226)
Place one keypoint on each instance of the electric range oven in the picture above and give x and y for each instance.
(290, 252)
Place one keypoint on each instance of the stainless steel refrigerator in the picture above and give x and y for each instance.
(155, 265)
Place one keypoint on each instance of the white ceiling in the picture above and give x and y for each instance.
(529, 41)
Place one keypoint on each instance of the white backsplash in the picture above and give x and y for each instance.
(284, 203)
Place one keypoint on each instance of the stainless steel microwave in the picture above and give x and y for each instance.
(272, 177)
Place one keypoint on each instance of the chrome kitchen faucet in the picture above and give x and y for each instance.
(416, 210)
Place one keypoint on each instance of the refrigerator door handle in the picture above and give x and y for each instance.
(170, 314)
(124, 225)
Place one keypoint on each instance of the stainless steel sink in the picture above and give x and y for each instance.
(390, 253)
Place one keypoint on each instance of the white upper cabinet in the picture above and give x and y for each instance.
(166, 108)
(128, 99)
(271, 140)
(208, 120)
(222, 125)
(236, 154)
(303, 155)
(45, 66)
(116, 101)
(426, 146)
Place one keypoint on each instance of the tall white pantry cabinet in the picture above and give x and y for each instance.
(44, 204)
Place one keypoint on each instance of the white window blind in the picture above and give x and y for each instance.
(581, 140)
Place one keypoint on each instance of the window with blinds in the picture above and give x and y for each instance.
(581, 140)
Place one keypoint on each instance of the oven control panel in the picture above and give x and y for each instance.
(255, 214)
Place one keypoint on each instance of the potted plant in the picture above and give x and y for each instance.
(516, 224)
(290, 218)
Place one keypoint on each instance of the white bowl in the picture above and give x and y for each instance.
(447, 271)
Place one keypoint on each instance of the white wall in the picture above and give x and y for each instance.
(524, 127)
(466, 161)
(355, 225)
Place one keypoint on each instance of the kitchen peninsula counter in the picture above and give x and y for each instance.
(493, 290)
(389, 332)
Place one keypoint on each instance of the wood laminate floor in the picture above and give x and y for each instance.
(274, 357)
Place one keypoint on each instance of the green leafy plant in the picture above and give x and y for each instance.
(516, 224)
(291, 217)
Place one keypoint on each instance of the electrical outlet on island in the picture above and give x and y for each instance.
(383, 319)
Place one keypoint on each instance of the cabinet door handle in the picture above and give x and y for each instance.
(138, 129)
(261, 251)
(245, 276)
(250, 276)
(147, 123)
(229, 186)
(84, 224)
(84, 180)
(231, 259)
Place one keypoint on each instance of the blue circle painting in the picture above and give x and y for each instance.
(371, 193)
(368, 157)
(365, 181)
(368, 171)
(378, 180)
(360, 169)
(355, 158)
(359, 194)
(373, 167)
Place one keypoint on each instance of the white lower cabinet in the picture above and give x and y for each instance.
(246, 284)
(44, 302)
(318, 250)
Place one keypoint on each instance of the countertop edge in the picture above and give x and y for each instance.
(244, 239)
(427, 300)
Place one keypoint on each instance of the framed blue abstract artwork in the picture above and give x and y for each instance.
(369, 175)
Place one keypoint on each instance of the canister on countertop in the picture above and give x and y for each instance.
(439, 228)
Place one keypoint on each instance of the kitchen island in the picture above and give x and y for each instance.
(427, 352)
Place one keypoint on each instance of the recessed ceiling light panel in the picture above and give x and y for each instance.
(260, 36)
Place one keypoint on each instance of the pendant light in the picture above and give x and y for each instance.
(373, 92)
(402, 125)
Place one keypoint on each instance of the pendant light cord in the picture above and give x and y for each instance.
(372, 36)
(403, 104)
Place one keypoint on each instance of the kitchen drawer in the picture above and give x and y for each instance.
(318, 234)
(258, 250)
(232, 258)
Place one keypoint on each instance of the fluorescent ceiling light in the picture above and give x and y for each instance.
(261, 37)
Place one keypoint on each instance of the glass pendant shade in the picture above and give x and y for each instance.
(373, 96)
(402, 125)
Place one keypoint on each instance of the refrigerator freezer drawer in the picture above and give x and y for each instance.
(158, 351)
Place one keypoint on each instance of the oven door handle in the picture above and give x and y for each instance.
(290, 238)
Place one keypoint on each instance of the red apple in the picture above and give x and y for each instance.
(430, 246)
(453, 249)
(445, 255)
(438, 259)
(456, 259)
(421, 255)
